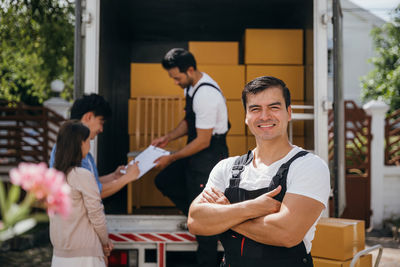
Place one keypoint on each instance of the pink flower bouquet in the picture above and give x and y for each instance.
(43, 185)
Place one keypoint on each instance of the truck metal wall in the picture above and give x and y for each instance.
(142, 31)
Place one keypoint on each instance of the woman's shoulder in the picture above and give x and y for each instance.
(79, 171)
(81, 177)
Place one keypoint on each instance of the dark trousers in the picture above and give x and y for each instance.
(182, 185)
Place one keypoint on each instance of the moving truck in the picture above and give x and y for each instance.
(119, 47)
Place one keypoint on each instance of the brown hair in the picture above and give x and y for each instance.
(69, 145)
(263, 83)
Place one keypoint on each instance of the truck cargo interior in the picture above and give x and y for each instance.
(133, 31)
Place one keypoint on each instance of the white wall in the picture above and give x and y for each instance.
(357, 48)
(391, 192)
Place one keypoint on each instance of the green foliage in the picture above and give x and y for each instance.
(36, 47)
(384, 81)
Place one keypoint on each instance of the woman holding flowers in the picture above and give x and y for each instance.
(81, 239)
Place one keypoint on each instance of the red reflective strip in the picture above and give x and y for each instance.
(116, 238)
(161, 254)
(241, 247)
(151, 237)
(133, 237)
(186, 236)
(170, 237)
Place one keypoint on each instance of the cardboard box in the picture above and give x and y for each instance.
(273, 46)
(236, 145)
(250, 142)
(364, 261)
(236, 117)
(293, 76)
(215, 53)
(230, 78)
(338, 239)
(152, 79)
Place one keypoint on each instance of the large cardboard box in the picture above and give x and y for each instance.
(151, 79)
(293, 76)
(273, 46)
(230, 78)
(236, 145)
(364, 261)
(338, 239)
(236, 117)
(215, 53)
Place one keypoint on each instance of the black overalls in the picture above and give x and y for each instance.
(185, 179)
(244, 252)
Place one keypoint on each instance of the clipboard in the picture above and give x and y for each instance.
(146, 159)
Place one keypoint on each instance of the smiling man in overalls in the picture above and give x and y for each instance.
(265, 204)
(185, 172)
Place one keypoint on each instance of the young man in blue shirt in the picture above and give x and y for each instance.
(92, 110)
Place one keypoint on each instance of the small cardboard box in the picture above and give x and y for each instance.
(338, 239)
(364, 261)
(215, 53)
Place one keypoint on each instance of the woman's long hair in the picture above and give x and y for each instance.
(69, 145)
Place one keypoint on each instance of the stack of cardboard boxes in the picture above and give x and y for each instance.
(220, 60)
(336, 242)
(270, 52)
(278, 53)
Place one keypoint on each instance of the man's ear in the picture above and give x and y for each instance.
(289, 113)
(190, 71)
(87, 116)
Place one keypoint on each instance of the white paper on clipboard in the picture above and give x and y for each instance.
(146, 159)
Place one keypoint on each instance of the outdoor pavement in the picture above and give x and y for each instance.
(391, 249)
(40, 253)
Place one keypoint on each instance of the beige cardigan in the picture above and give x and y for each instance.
(84, 231)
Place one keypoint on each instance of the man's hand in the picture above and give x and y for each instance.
(161, 141)
(213, 195)
(133, 171)
(265, 204)
(117, 173)
(163, 161)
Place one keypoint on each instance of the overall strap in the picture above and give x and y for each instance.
(218, 89)
(281, 176)
(238, 168)
(285, 166)
(203, 84)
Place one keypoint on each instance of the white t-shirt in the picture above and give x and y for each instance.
(209, 106)
(307, 176)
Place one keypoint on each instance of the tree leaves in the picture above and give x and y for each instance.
(36, 47)
(384, 81)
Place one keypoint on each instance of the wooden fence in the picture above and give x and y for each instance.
(27, 134)
(392, 136)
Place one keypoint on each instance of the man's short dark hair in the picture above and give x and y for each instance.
(180, 58)
(94, 103)
(263, 83)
